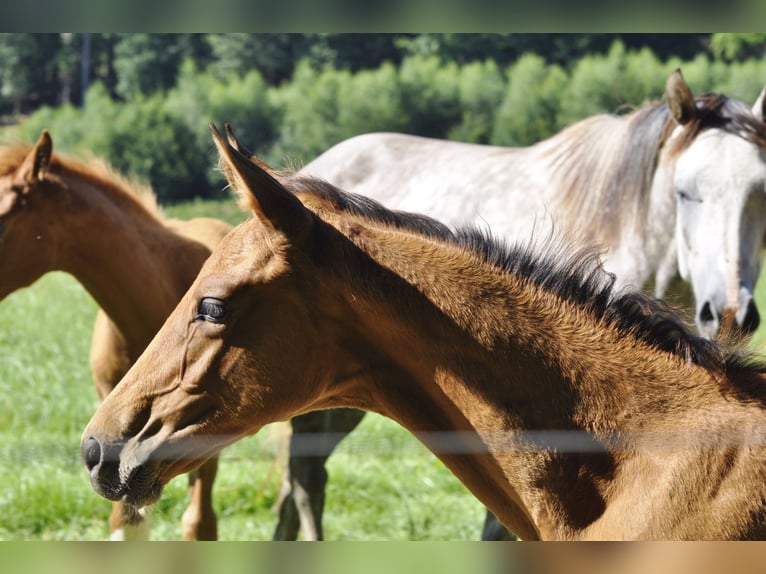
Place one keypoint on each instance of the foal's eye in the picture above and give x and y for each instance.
(211, 309)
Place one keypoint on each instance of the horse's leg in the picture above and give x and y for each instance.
(199, 521)
(315, 436)
(494, 530)
(129, 523)
(289, 521)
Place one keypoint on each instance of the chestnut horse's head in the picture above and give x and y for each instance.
(244, 340)
(26, 245)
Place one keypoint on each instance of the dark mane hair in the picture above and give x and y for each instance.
(728, 114)
(575, 274)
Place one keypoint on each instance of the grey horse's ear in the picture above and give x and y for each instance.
(758, 107)
(680, 98)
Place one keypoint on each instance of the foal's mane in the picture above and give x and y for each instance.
(95, 170)
(606, 163)
(575, 275)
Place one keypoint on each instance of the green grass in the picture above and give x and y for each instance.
(226, 210)
(383, 484)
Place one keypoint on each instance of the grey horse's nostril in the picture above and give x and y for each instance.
(706, 313)
(751, 319)
(91, 453)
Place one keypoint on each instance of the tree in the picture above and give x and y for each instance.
(740, 46)
(29, 72)
(149, 63)
(273, 55)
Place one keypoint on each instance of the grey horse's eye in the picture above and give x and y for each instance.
(211, 309)
(686, 196)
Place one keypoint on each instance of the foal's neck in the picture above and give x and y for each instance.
(129, 261)
(461, 347)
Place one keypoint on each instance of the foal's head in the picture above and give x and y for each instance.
(249, 337)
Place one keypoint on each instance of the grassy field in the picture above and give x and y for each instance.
(383, 484)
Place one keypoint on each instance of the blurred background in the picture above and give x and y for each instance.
(143, 101)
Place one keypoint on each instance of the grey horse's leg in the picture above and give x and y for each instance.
(315, 436)
(494, 530)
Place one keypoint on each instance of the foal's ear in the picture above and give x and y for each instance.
(759, 109)
(238, 145)
(259, 190)
(680, 98)
(36, 164)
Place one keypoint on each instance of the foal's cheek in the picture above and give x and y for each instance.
(188, 359)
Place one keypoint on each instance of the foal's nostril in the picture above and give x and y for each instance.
(91, 453)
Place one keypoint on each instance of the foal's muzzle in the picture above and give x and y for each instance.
(103, 464)
(112, 481)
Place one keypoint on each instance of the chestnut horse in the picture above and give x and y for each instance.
(60, 214)
(671, 188)
(571, 408)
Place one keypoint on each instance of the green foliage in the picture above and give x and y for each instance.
(644, 78)
(310, 112)
(371, 101)
(29, 72)
(745, 80)
(152, 143)
(528, 111)
(702, 75)
(595, 86)
(430, 94)
(272, 55)
(481, 88)
(146, 63)
(739, 46)
(241, 100)
(164, 136)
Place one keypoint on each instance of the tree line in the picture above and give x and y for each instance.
(143, 101)
(54, 69)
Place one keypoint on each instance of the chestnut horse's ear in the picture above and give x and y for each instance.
(758, 107)
(680, 98)
(258, 188)
(35, 165)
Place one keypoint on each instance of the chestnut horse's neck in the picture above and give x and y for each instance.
(120, 250)
(491, 356)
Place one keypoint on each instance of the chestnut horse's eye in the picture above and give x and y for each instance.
(211, 309)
